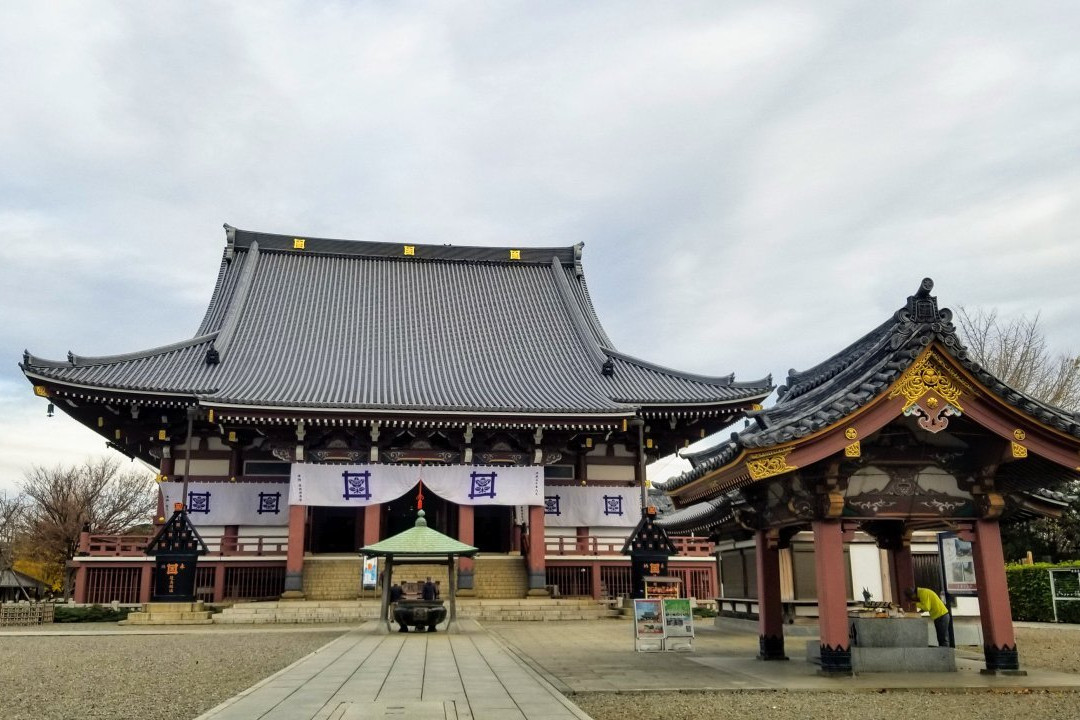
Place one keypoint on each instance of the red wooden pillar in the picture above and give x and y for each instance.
(372, 524)
(903, 573)
(537, 570)
(999, 642)
(466, 534)
(80, 583)
(229, 540)
(582, 541)
(832, 597)
(219, 582)
(770, 609)
(597, 585)
(146, 573)
(294, 557)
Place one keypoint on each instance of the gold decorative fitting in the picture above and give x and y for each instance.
(851, 433)
(161, 434)
(768, 464)
(588, 442)
(117, 434)
(931, 402)
(232, 436)
(100, 421)
(755, 406)
(834, 504)
(1018, 450)
(648, 443)
(1019, 434)
(515, 254)
(41, 391)
(160, 479)
(410, 249)
(853, 450)
(925, 375)
(624, 425)
(211, 415)
(298, 243)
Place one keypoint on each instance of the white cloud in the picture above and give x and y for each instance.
(756, 185)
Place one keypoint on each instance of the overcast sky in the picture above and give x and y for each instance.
(756, 185)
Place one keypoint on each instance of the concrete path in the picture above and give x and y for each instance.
(600, 657)
(369, 673)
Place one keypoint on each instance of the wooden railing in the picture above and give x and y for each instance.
(596, 545)
(223, 545)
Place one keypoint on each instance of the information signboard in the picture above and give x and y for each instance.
(371, 572)
(957, 565)
(648, 624)
(678, 624)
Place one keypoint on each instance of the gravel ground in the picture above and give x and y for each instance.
(781, 705)
(109, 677)
(1052, 649)
(113, 677)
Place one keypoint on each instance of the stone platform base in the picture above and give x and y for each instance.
(352, 611)
(164, 613)
(897, 659)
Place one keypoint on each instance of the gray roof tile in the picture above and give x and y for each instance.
(826, 393)
(359, 325)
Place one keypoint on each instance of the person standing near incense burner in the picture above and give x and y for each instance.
(926, 600)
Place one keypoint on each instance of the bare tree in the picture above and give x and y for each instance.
(97, 496)
(1017, 353)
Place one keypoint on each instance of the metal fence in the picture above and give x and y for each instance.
(1064, 586)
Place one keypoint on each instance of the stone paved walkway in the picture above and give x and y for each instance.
(369, 673)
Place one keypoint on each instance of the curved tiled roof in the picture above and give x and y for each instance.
(362, 325)
(826, 393)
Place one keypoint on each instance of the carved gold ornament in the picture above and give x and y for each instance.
(1019, 451)
(299, 243)
(924, 376)
(851, 433)
(768, 464)
(41, 391)
(931, 392)
(1019, 434)
(515, 254)
(410, 249)
(853, 450)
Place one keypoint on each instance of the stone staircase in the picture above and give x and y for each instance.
(164, 613)
(500, 577)
(355, 611)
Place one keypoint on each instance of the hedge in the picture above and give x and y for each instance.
(93, 613)
(1029, 593)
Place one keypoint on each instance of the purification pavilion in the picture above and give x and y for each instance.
(332, 382)
(899, 432)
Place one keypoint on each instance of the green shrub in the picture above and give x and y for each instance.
(93, 613)
(704, 612)
(1029, 594)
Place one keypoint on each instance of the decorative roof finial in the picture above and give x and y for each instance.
(922, 306)
(420, 521)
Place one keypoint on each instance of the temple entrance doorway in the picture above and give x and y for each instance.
(335, 530)
(399, 515)
(493, 528)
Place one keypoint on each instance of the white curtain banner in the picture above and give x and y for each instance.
(575, 506)
(359, 485)
(231, 503)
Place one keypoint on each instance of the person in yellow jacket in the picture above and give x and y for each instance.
(926, 600)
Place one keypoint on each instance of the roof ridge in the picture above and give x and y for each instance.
(595, 351)
(722, 380)
(231, 321)
(410, 251)
(87, 360)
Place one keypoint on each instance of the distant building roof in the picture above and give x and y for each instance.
(825, 394)
(308, 323)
